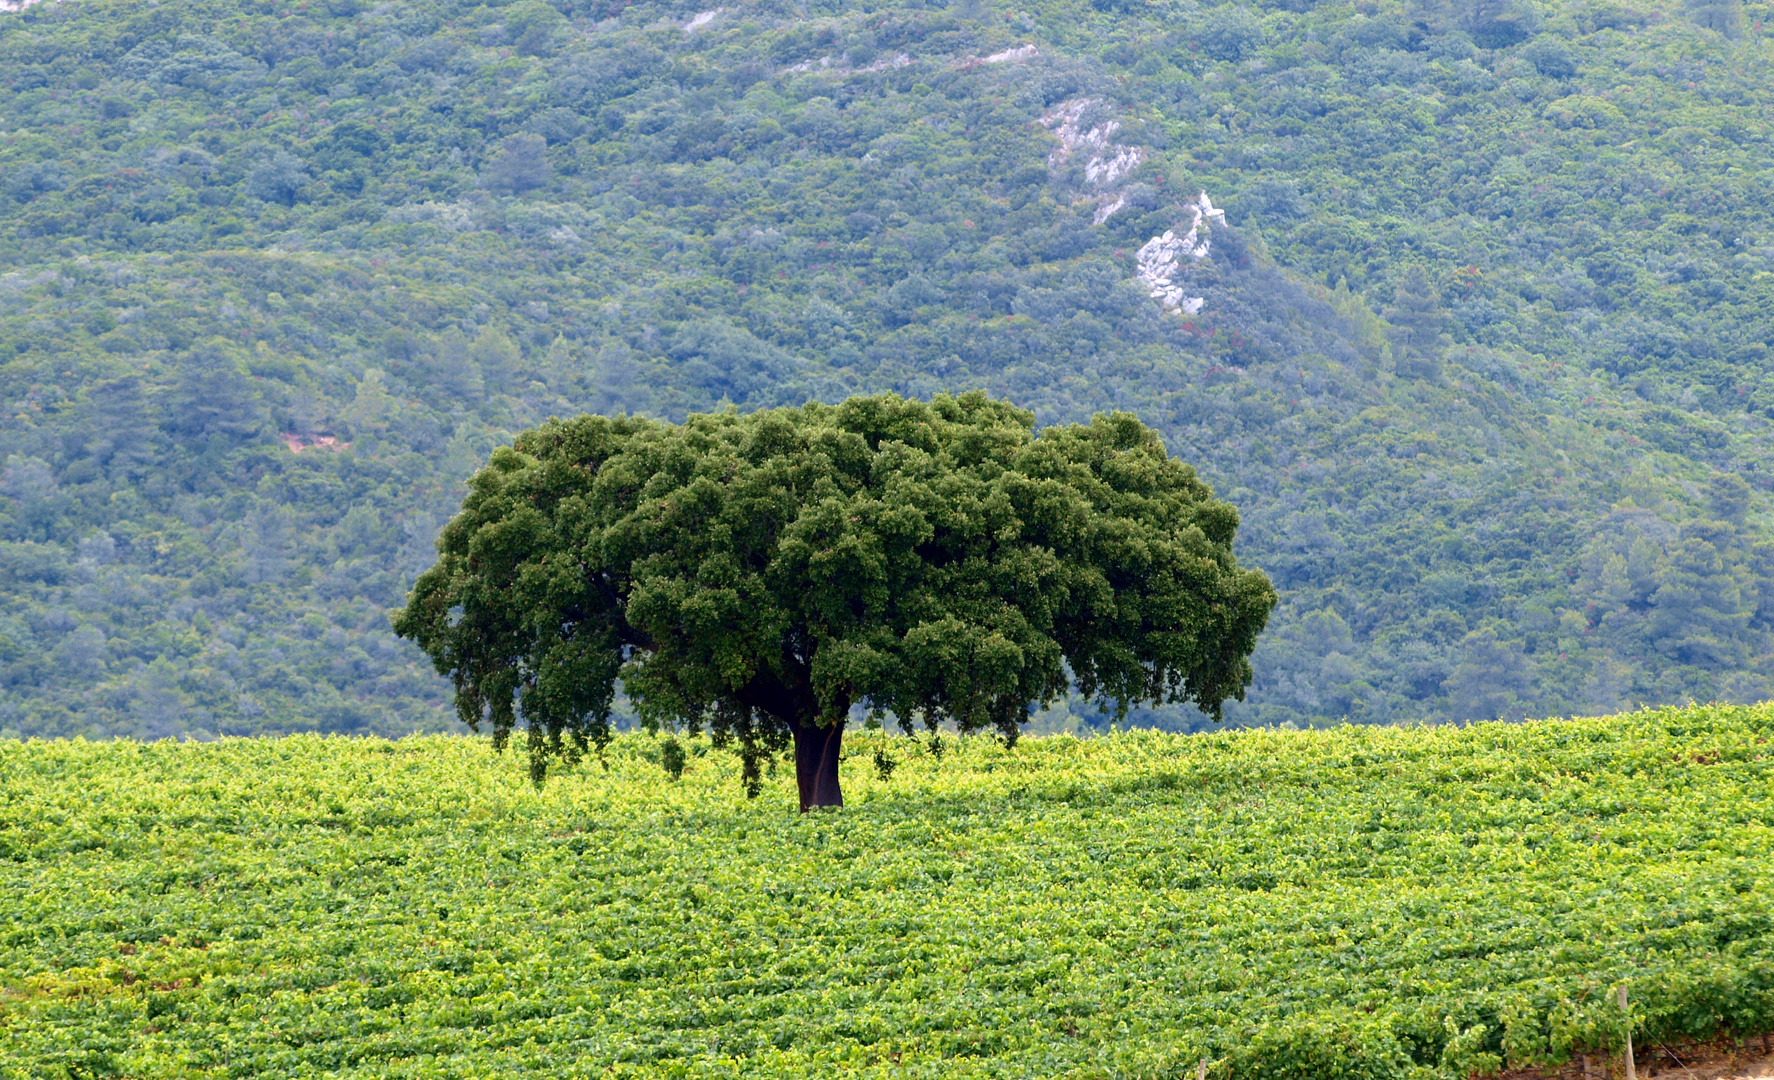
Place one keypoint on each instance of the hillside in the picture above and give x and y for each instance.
(1481, 354)
(1361, 902)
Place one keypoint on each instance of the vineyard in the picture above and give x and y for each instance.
(1355, 903)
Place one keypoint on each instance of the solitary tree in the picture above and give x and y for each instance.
(760, 575)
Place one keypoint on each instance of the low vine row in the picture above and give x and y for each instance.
(1353, 903)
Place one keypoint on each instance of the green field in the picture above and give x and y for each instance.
(1351, 903)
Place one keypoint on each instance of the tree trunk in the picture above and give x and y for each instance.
(816, 764)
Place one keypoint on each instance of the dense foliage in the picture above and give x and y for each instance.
(1365, 902)
(1481, 353)
(764, 575)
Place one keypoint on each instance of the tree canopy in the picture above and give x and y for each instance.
(764, 574)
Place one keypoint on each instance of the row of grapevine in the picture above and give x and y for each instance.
(1356, 903)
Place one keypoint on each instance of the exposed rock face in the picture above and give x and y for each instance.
(1009, 56)
(1086, 132)
(1106, 162)
(839, 67)
(298, 443)
(1162, 262)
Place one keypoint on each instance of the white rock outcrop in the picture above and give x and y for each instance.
(1024, 52)
(1084, 131)
(1164, 260)
(1106, 162)
(829, 66)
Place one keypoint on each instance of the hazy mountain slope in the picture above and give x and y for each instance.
(1489, 325)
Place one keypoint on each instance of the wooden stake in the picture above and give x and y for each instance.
(1626, 1022)
(1201, 1070)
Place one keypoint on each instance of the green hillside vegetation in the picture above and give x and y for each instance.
(1483, 359)
(1361, 902)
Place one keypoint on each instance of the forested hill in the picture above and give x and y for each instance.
(1482, 352)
